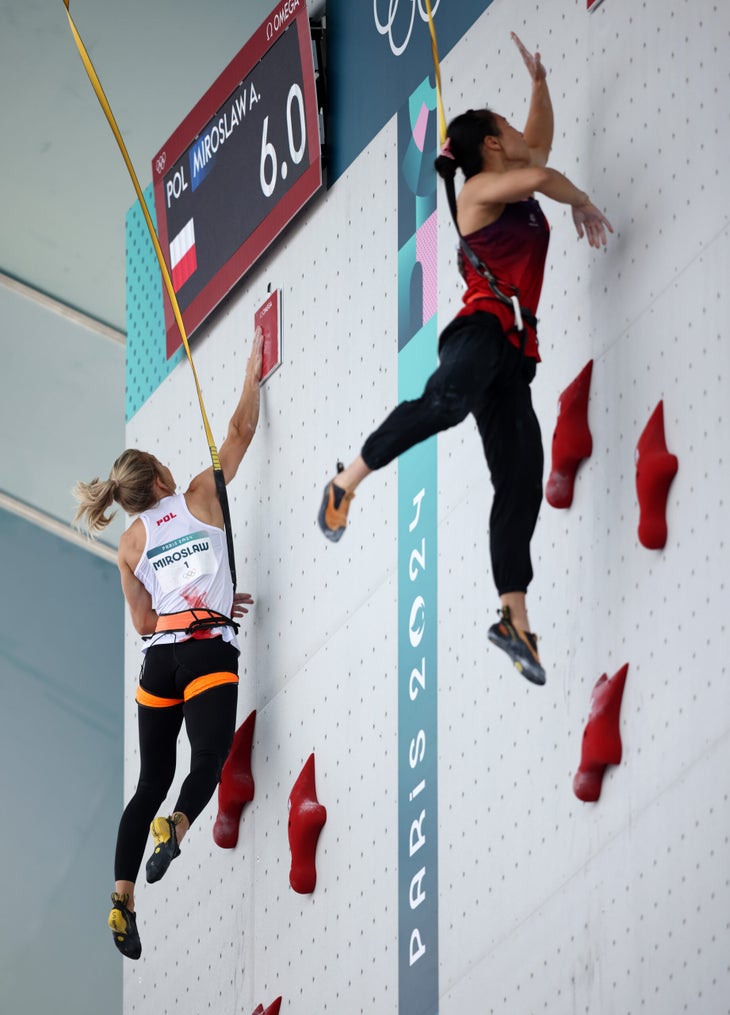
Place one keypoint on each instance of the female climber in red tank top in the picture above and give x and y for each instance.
(487, 354)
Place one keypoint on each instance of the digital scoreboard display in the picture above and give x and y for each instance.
(239, 167)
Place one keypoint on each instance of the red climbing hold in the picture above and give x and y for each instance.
(306, 820)
(655, 470)
(601, 737)
(572, 441)
(236, 787)
(273, 1008)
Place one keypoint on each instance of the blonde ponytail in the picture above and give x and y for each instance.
(94, 499)
(131, 484)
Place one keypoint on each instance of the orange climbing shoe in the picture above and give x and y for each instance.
(520, 646)
(123, 924)
(166, 848)
(332, 517)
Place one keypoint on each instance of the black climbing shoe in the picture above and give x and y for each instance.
(520, 646)
(166, 848)
(123, 924)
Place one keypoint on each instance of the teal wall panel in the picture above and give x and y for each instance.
(147, 363)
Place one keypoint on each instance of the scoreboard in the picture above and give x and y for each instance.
(239, 167)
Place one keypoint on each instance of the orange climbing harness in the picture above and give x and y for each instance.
(194, 688)
(191, 621)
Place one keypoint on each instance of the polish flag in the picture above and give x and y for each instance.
(183, 260)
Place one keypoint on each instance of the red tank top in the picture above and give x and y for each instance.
(514, 249)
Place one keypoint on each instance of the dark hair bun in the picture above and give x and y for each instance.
(446, 167)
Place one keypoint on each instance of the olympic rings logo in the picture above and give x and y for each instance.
(386, 27)
(160, 163)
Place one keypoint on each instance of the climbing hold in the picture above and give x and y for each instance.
(273, 1008)
(236, 787)
(655, 470)
(601, 738)
(572, 441)
(306, 820)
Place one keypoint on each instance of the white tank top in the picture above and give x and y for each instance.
(184, 566)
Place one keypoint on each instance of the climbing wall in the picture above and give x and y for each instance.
(546, 902)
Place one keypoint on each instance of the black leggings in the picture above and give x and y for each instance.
(482, 373)
(210, 720)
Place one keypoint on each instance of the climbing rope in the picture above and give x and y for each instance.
(437, 74)
(104, 102)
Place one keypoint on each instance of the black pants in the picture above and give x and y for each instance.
(482, 373)
(210, 719)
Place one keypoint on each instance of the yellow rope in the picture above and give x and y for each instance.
(437, 72)
(86, 59)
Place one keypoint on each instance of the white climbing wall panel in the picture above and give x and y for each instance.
(546, 904)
